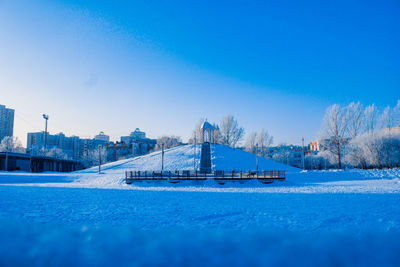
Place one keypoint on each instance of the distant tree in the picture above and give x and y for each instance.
(250, 142)
(282, 154)
(379, 150)
(390, 117)
(333, 131)
(356, 118)
(168, 141)
(371, 115)
(264, 141)
(95, 156)
(11, 144)
(396, 114)
(217, 134)
(56, 153)
(231, 132)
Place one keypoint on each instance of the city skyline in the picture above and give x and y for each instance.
(114, 68)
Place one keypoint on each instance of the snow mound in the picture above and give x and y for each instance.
(182, 158)
(178, 158)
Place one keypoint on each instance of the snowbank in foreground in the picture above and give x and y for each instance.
(38, 245)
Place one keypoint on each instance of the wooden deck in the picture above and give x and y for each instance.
(220, 177)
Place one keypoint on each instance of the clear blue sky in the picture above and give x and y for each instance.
(161, 65)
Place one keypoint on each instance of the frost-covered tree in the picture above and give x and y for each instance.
(396, 114)
(264, 141)
(334, 130)
(50, 152)
(11, 144)
(250, 142)
(371, 116)
(231, 132)
(390, 117)
(97, 156)
(356, 118)
(56, 153)
(379, 150)
(282, 154)
(168, 141)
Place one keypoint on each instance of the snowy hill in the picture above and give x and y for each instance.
(178, 158)
(182, 158)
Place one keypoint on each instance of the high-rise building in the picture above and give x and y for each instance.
(73, 147)
(68, 145)
(102, 137)
(6, 122)
(138, 142)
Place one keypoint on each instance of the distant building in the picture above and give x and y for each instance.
(6, 122)
(288, 154)
(314, 146)
(138, 143)
(87, 145)
(73, 147)
(69, 145)
(102, 137)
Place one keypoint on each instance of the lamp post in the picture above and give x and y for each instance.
(302, 148)
(46, 117)
(257, 158)
(194, 153)
(162, 157)
(99, 158)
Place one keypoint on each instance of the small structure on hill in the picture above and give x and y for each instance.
(208, 132)
(208, 137)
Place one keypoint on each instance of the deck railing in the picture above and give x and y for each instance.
(233, 175)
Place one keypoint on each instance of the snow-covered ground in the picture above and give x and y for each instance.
(331, 218)
(181, 158)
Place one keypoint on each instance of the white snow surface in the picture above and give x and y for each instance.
(181, 158)
(313, 218)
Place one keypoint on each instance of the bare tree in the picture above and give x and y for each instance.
(264, 141)
(231, 132)
(56, 152)
(396, 114)
(390, 117)
(251, 142)
(282, 154)
(11, 144)
(97, 156)
(334, 129)
(168, 141)
(356, 118)
(370, 114)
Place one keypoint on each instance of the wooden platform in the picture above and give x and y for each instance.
(219, 176)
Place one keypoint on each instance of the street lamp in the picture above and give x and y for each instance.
(162, 157)
(100, 158)
(302, 148)
(257, 158)
(46, 117)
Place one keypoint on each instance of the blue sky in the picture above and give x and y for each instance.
(114, 66)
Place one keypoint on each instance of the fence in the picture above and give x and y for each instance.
(176, 176)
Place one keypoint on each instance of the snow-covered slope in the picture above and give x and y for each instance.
(178, 158)
(182, 158)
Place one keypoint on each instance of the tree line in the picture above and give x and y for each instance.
(359, 136)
